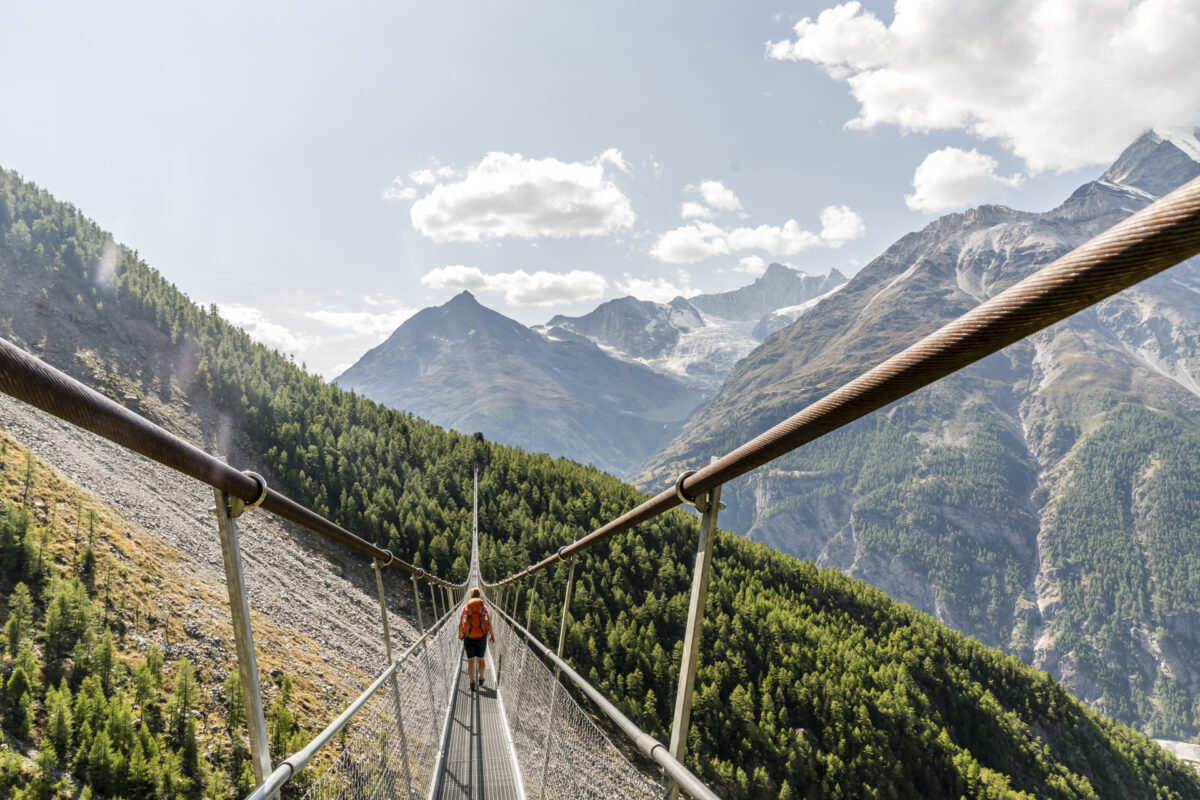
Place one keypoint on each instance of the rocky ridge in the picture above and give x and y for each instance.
(1013, 499)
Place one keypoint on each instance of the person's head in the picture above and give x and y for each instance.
(476, 593)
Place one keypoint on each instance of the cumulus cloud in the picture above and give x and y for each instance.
(690, 210)
(1061, 83)
(701, 240)
(951, 178)
(378, 325)
(255, 323)
(752, 265)
(839, 225)
(657, 290)
(508, 195)
(396, 190)
(520, 287)
(715, 195)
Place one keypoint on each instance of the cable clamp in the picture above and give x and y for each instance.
(239, 505)
(698, 503)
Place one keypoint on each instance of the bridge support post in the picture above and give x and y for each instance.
(516, 716)
(562, 639)
(691, 638)
(417, 603)
(532, 594)
(433, 600)
(425, 654)
(387, 647)
(256, 724)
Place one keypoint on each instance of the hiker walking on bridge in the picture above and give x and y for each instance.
(475, 629)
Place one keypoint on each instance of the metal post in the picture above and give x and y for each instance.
(256, 724)
(562, 639)
(417, 602)
(387, 647)
(524, 656)
(433, 600)
(691, 637)
(532, 594)
(425, 651)
(449, 599)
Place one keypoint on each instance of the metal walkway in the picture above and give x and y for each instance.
(479, 760)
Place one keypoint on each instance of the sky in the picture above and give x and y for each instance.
(321, 173)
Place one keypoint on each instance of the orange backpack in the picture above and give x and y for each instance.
(474, 622)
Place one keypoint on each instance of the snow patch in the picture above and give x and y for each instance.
(1183, 138)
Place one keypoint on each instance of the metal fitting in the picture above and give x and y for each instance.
(698, 503)
(238, 505)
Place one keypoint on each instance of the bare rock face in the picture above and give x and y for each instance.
(1041, 499)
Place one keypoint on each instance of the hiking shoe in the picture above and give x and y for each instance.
(472, 686)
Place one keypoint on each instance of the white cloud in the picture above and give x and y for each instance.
(951, 178)
(520, 287)
(691, 210)
(716, 196)
(362, 323)
(656, 290)
(701, 240)
(422, 177)
(430, 176)
(1061, 83)
(255, 323)
(396, 190)
(508, 195)
(839, 224)
(753, 265)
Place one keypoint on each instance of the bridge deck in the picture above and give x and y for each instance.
(479, 764)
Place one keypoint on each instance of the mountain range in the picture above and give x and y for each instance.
(608, 388)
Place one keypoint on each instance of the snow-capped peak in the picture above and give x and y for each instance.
(1183, 138)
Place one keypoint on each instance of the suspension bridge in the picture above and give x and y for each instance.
(418, 731)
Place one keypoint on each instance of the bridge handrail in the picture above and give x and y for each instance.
(644, 742)
(40, 385)
(299, 760)
(1159, 236)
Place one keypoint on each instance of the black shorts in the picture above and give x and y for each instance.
(475, 647)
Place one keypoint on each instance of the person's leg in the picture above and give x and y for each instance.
(472, 670)
(479, 672)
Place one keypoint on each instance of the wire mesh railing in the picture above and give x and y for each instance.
(389, 738)
(561, 751)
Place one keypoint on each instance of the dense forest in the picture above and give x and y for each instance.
(92, 713)
(812, 685)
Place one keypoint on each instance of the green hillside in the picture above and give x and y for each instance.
(812, 685)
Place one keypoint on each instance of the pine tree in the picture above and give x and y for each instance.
(20, 617)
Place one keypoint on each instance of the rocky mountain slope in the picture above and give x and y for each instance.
(699, 339)
(1043, 500)
(466, 367)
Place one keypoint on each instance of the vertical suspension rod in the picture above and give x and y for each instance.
(387, 648)
(562, 639)
(691, 637)
(256, 724)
